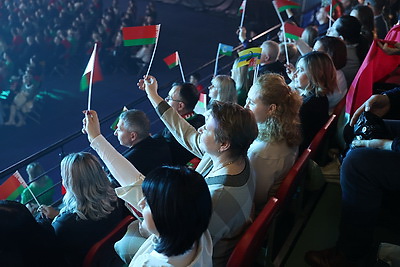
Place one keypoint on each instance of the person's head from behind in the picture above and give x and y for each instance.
(315, 73)
(276, 109)
(335, 48)
(292, 51)
(365, 15)
(270, 52)
(223, 88)
(194, 78)
(229, 129)
(239, 74)
(176, 208)
(34, 170)
(89, 192)
(309, 35)
(346, 27)
(183, 97)
(133, 126)
(21, 236)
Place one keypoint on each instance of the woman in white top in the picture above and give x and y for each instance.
(175, 204)
(276, 109)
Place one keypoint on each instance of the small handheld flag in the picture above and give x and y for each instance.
(93, 66)
(201, 106)
(223, 49)
(292, 31)
(249, 56)
(242, 10)
(114, 125)
(282, 5)
(141, 35)
(12, 187)
(172, 60)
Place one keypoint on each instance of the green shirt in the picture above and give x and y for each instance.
(46, 198)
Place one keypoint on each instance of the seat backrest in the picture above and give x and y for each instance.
(292, 178)
(247, 248)
(105, 247)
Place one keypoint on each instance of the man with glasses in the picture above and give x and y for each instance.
(183, 98)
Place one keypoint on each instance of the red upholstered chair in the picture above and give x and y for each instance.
(101, 253)
(249, 245)
(292, 179)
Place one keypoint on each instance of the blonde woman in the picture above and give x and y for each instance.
(222, 89)
(276, 109)
(314, 78)
(243, 79)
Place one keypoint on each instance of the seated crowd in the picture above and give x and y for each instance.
(245, 144)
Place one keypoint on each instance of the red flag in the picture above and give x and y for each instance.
(282, 5)
(377, 66)
(292, 31)
(140, 35)
(93, 65)
(12, 187)
(172, 60)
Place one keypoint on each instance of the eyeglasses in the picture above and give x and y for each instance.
(168, 98)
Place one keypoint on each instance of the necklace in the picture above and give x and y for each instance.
(222, 166)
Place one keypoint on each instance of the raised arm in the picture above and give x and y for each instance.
(183, 132)
(123, 171)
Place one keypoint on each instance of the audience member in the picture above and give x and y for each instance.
(243, 79)
(222, 89)
(38, 183)
(222, 145)
(195, 79)
(348, 28)
(309, 35)
(23, 239)
(363, 186)
(269, 60)
(276, 110)
(145, 152)
(323, 21)
(381, 26)
(314, 78)
(366, 17)
(179, 237)
(90, 207)
(182, 98)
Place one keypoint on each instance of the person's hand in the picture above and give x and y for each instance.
(148, 84)
(49, 212)
(91, 124)
(290, 69)
(374, 143)
(242, 33)
(377, 104)
(394, 50)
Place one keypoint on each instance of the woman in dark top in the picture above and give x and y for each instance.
(90, 209)
(314, 78)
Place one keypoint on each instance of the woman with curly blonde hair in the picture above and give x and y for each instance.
(276, 109)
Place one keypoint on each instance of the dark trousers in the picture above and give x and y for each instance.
(366, 174)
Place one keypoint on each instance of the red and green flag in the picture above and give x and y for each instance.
(172, 60)
(282, 5)
(242, 7)
(114, 125)
(12, 187)
(141, 35)
(92, 66)
(292, 31)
